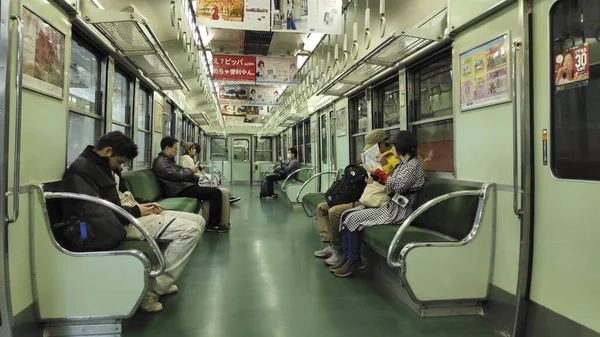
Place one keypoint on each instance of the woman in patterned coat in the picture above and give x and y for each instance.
(408, 178)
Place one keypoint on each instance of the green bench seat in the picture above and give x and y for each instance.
(450, 220)
(310, 201)
(144, 184)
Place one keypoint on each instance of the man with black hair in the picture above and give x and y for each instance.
(284, 170)
(177, 181)
(97, 172)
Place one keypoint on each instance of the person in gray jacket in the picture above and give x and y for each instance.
(284, 170)
(177, 181)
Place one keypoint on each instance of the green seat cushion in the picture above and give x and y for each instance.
(179, 204)
(311, 200)
(143, 184)
(453, 217)
(380, 237)
(142, 246)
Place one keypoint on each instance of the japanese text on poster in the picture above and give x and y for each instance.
(234, 14)
(234, 68)
(572, 68)
(276, 70)
(484, 75)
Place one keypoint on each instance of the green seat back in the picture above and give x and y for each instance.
(311, 200)
(303, 175)
(380, 237)
(143, 184)
(180, 204)
(453, 217)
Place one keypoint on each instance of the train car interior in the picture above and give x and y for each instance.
(295, 168)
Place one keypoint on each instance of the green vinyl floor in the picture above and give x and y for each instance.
(262, 280)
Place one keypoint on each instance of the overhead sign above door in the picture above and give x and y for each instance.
(234, 14)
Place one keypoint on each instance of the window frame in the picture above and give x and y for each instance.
(377, 103)
(100, 95)
(149, 113)
(256, 150)
(129, 113)
(307, 142)
(353, 115)
(413, 104)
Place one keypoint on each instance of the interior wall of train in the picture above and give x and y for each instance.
(516, 125)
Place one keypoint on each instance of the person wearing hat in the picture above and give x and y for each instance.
(187, 161)
(328, 219)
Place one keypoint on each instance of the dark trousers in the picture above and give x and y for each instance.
(351, 245)
(211, 194)
(271, 179)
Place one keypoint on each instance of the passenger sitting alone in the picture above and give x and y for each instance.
(402, 186)
(283, 171)
(97, 172)
(177, 181)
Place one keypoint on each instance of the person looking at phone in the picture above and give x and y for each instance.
(97, 172)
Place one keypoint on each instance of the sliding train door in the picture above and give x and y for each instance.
(566, 148)
(241, 159)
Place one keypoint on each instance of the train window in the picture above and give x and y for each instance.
(121, 103)
(386, 104)
(144, 128)
(241, 151)
(167, 125)
(294, 137)
(307, 143)
(359, 125)
(300, 148)
(431, 112)
(85, 109)
(278, 146)
(218, 149)
(575, 122)
(264, 150)
(332, 135)
(323, 126)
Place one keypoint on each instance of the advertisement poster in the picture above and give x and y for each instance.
(43, 56)
(572, 68)
(276, 70)
(484, 77)
(308, 16)
(158, 116)
(234, 68)
(342, 121)
(243, 114)
(234, 14)
(250, 95)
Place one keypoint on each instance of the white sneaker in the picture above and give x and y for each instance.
(172, 290)
(150, 304)
(334, 259)
(325, 252)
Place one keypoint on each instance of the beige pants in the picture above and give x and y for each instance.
(224, 207)
(328, 222)
(182, 230)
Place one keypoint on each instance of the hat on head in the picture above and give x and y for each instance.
(375, 137)
(186, 146)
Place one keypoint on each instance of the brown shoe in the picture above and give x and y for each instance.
(347, 269)
(337, 265)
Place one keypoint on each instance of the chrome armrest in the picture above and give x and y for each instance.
(483, 194)
(66, 195)
(310, 179)
(283, 185)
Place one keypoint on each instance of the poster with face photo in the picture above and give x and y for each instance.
(572, 68)
(276, 70)
(234, 14)
(308, 16)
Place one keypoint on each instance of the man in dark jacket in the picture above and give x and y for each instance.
(97, 172)
(283, 171)
(177, 181)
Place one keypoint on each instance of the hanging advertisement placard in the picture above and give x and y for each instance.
(484, 74)
(234, 69)
(243, 113)
(308, 16)
(276, 70)
(572, 68)
(234, 14)
(251, 95)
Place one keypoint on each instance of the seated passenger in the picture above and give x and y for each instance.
(328, 219)
(403, 185)
(206, 179)
(177, 181)
(186, 159)
(282, 172)
(97, 172)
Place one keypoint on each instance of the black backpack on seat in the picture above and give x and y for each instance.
(349, 188)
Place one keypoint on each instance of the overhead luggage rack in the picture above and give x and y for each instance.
(131, 36)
